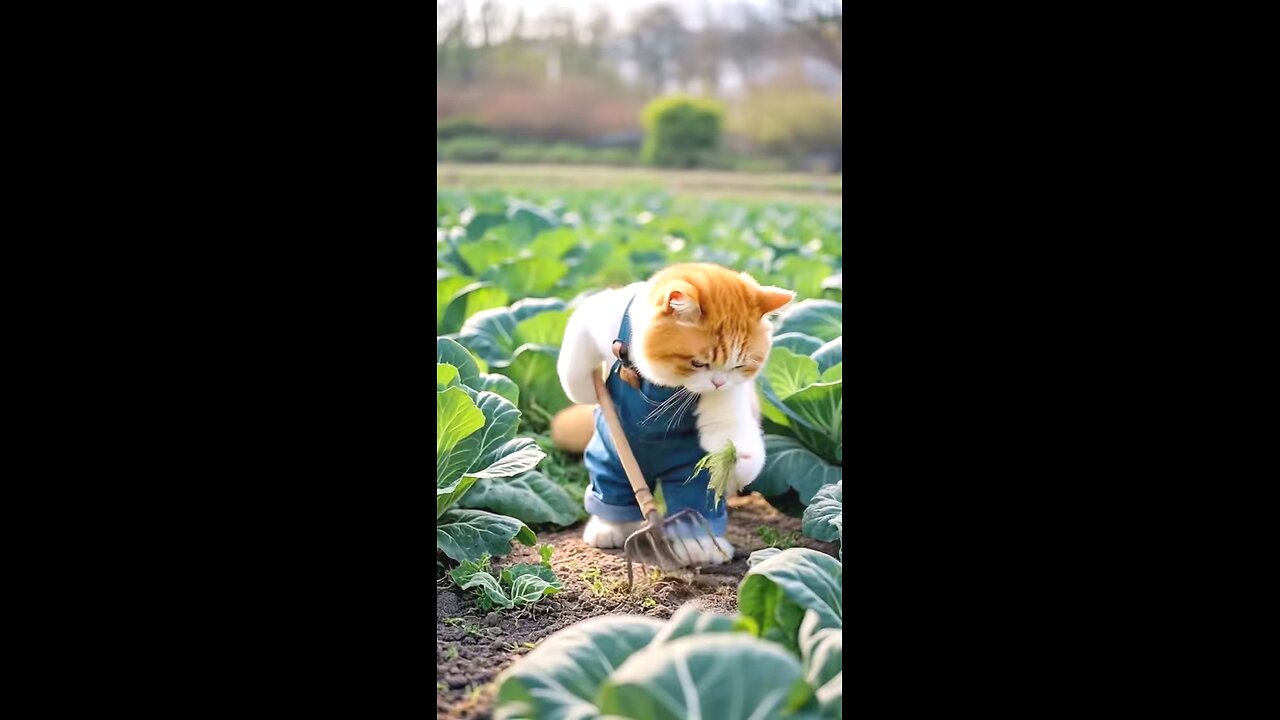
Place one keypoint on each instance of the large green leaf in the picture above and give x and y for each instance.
(480, 224)
(821, 649)
(492, 334)
(447, 497)
(798, 343)
(830, 354)
(831, 697)
(510, 458)
(821, 407)
(457, 419)
(691, 621)
(825, 507)
(446, 288)
(448, 351)
(562, 676)
(531, 497)
(801, 274)
(500, 421)
(527, 220)
(527, 277)
(446, 377)
(772, 414)
(721, 676)
(789, 464)
(543, 329)
(833, 373)
(823, 319)
(541, 396)
(486, 253)
(789, 373)
(469, 300)
(777, 592)
(553, 243)
(469, 534)
(502, 385)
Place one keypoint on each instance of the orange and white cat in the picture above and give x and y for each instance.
(699, 328)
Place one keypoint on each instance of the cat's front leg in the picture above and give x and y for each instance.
(727, 416)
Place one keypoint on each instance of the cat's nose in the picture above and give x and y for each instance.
(718, 381)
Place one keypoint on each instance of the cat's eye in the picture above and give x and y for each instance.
(699, 364)
(738, 367)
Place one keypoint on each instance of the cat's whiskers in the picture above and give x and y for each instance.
(665, 404)
(684, 406)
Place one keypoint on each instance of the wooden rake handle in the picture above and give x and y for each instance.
(643, 497)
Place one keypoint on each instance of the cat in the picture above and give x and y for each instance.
(683, 350)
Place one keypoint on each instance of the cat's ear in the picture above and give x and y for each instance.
(770, 298)
(680, 299)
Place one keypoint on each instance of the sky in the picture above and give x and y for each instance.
(620, 11)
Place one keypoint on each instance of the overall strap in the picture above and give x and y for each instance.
(623, 341)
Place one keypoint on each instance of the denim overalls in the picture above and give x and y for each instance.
(666, 452)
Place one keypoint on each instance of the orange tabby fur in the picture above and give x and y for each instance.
(722, 311)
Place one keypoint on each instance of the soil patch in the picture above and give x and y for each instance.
(473, 647)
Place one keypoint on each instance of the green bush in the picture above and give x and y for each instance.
(523, 153)
(681, 131)
(457, 127)
(760, 165)
(566, 154)
(469, 149)
(614, 156)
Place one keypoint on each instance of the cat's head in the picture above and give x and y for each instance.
(705, 327)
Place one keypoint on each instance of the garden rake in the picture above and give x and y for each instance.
(652, 544)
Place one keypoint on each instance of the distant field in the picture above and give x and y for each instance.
(790, 187)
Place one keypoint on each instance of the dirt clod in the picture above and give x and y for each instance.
(446, 604)
(491, 619)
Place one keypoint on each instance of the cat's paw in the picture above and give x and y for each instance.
(750, 462)
(748, 469)
(702, 549)
(606, 534)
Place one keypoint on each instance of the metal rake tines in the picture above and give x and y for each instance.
(657, 544)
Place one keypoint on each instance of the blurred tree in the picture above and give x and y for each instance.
(819, 24)
(660, 46)
(746, 44)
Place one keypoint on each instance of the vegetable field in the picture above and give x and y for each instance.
(530, 621)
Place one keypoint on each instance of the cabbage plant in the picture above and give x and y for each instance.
(475, 441)
(780, 658)
(803, 404)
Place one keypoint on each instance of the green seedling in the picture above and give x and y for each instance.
(451, 653)
(775, 539)
(454, 621)
(648, 603)
(592, 579)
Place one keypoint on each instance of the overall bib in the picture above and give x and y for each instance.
(666, 452)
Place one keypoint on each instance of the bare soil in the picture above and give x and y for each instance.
(473, 647)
